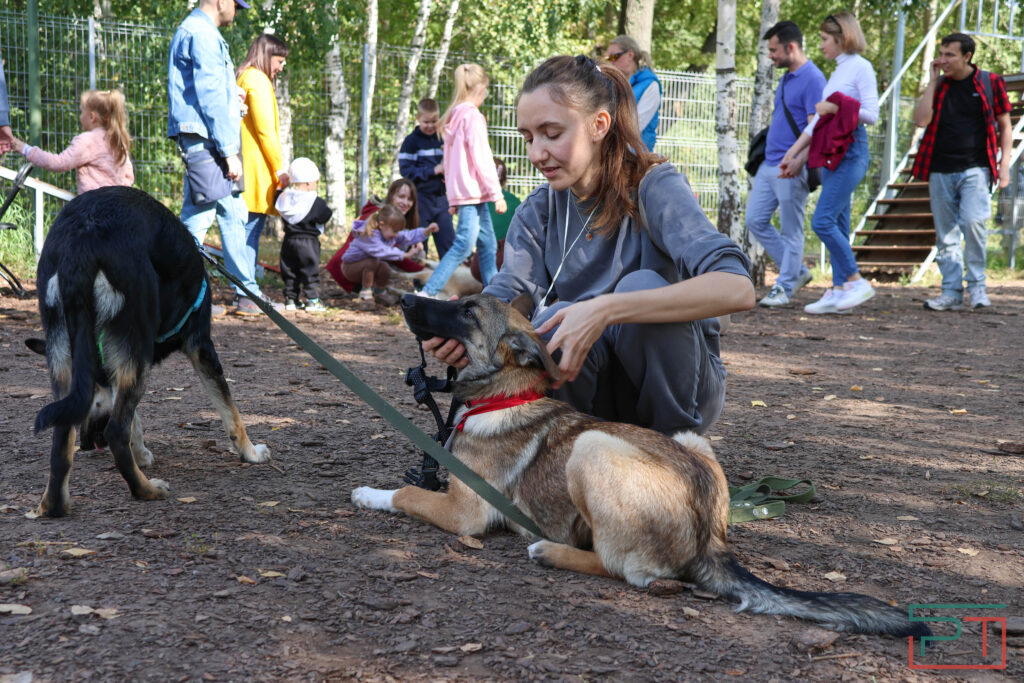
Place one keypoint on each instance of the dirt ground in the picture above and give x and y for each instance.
(268, 572)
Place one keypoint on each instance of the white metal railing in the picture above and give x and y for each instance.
(42, 191)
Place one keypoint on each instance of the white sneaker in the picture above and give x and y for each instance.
(978, 299)
(945, 302)
(366, 294)
(801, 281)
(853, 294)
(826, 304)
(776, 297)
(423, 293)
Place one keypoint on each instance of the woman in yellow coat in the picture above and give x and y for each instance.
(264, 169)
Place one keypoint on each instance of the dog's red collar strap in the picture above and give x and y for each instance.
(500, 402)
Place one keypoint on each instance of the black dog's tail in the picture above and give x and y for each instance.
(849, 612)
(70, 329)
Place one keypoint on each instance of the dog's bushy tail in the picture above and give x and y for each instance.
(72, 323)
(849, 612)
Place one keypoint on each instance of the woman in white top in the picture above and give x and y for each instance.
(843, 41)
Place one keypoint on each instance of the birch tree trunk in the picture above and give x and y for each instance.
(760, 116)
(726, 120)
(404, 99)
(284, 127)
(334, 145)
(366, 106)
(928, 53)
(442, 52)
(640, 22)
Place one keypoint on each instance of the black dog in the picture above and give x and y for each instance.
(121, 287)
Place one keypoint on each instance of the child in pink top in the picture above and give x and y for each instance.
(100, 155)
(470, 178)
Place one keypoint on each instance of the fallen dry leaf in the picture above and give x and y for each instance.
(886, 541)
(690, 612)
(856, 387)
(270, 574)
(907, 518)
(246, 580)
(11, 608)
(970, 552)
(79, 552)
(429, 575)
(108, 612)
(472, 647)
(830, 397)
(835, 576)
(758, 404)
(958, 411)
(268, 504)
(715, 438)
(187, 500)
(791, 417)
(471, 542)
(79, 610)
(286, 618)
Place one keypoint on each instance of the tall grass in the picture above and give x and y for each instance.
(16, 245)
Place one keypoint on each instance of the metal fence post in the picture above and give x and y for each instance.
(92, 53)
(364, 131)
(892, 130)
(35, 93)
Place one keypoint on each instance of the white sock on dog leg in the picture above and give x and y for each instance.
(374, 499)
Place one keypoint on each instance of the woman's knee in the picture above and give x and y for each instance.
(640, 280)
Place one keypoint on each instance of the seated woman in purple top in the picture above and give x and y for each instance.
(626, 272)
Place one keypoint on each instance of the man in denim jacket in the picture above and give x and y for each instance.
(205, 113)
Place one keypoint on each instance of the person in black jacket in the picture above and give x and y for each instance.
(304, 215)
(420, 159)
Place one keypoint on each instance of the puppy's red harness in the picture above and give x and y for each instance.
(499, 402)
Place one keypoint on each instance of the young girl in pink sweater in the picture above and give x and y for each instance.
(100, 155)
(470, 178)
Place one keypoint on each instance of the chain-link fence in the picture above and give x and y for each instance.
(133, 57)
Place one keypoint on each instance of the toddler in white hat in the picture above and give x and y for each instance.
(304, 215)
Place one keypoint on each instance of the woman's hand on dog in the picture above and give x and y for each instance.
(447, 351)
(579, 327)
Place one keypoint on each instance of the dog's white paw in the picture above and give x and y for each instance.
(162, 485)
(144, 457)
(374, 499)
(260, 453)
(536, 551)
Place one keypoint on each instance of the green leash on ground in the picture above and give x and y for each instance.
(763, 499)
(400, 422)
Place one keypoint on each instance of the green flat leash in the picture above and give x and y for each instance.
(763, 499)
(455, 466)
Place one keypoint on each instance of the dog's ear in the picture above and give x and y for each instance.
(529, 351)
(37, 345)
(524, 304)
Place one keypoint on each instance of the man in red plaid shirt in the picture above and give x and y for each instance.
(960, 155)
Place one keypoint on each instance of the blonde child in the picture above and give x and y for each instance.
(377, 240)
(471, 179)
(102, 154)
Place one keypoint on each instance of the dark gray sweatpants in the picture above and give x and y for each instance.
(665, 376)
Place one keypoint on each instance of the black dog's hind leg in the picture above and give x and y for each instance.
(204, 360)
(130, 388)
(56, 500)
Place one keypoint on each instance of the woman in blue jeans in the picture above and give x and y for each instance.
(854, 77)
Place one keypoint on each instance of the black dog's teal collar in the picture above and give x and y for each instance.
(195, 307)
